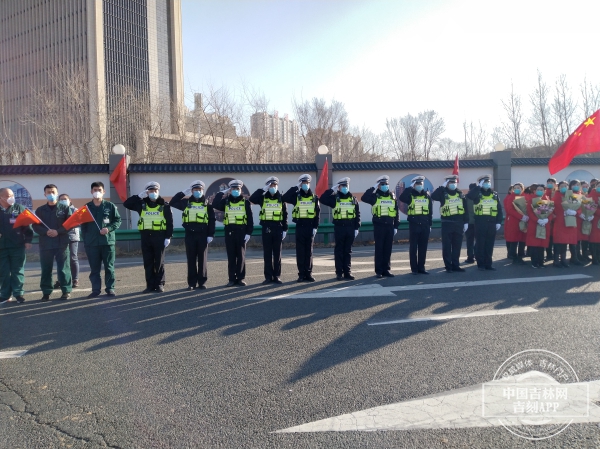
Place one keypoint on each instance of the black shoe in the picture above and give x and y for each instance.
(518, 261)
(93, 295)
(189, 288)
(349, 277)
(111, 293)
(534, 265)
(19, 298)
(490, 269)
(412, 272)
(338, 277)
(378, 275)
(564, 264)
(201, 287)
(146, 290)
(309, 278)
(230, 284)
(575, 261)
(65, 296)
(160, 289)
(557, 265)
(448, 270)
(56, 285)
(459, 269)
(481, 268)
(241, 283)
(542, 265)
(45, 298)
(266, 281)
(387, 274)
(276, 280)
(469, 260)
(423, 272)
(301, 279)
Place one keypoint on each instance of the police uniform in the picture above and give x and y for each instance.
(12, 253)
(239, 224)
(156, 229)
(274, 222)
(419, 217)
(470, 234)
(199, 223)
(346, 221)
(306, 212)
(488, 219)
(54, 248)
(455, 220)
(386, 218)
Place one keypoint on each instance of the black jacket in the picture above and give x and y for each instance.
(220, 201)
(181, 203)
(440, 193)
(53, 217)
(329, 199)
(370, 197)
(258, 197)
(475, 194)
(291, 197)
(136, 204)
(406, 197)
(13, 237)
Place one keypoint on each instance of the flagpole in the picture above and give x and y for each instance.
(40, 220)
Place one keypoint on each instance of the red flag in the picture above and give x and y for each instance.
(455, 171)
(323, 183)
(26, 218)
(119, 179)
(585, 139)
(79, 217)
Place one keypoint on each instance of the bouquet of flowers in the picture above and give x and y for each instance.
(520, 203)
(570, 203)
(542, 209)
(588, 209)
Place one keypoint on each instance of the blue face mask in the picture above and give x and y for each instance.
(452, 186)
(153, 195)
(419, 188)
(197, 193)
(563, 190)
(487, 185)
(64, 202)
(384, 188)
(575, 188)
(272, 190)
(584, 189)
(51, 197)
(305, 187)
(517, 191)
(235, 193)
(539, 192)
(598, 189)
(344, 190)
(550, 186)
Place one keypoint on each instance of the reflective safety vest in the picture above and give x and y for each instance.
(235, 213)
(152, 219)
(305, 207)
(195, 213)
(385, 206)
(419, 205)
(271, 210)
(344, 208)
(453, 205)
(488, 205)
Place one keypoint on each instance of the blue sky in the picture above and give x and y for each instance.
(385, 59)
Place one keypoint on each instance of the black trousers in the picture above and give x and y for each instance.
(516, 250)
(344, 237)
(196, 250)
(304, 250)
(236, 252)
(485, 234)
(537, 255)
(153, 253)
(384, 239)
(272, 236)
(419, 239)
(452, 237)
(470, 237)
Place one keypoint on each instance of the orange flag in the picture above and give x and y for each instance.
(323, 183)
(79, 217)
(26, 218)
(456, 168)
(585, 139)
(119, 179)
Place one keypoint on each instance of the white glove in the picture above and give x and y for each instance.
(590, 218)
(481, 183)
(209, 239)
(395, 231)
(143, 195)
(582, 217)
(314, 232)
(226, 191)
(376, 186)
(498, 226)
(355, 233)
(466, 226)
(246, 238)
(445, 184)
(167, 242)
(542, 221)
(266, 188)
(187, 192)
(525, 218)
(571, 212)
(283, 235)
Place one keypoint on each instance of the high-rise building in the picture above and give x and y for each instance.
(78, 76)
(281, 131)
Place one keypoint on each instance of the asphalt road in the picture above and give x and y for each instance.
(228, 367)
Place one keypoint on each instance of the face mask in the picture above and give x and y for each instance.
(64, 202)
(517, 191)
(597, 190)
(539, 192)
(487, 185)
(452, 186)
(344, 190)
(98, 195)
(197, 193)
(550, 186)
(419, 188)
(51, 197)
(563, 190)
(153, 195)
(10, 200)
(235, 193)
(575, 188)
(305, 187)
(584, 189)
(384, 188)
(272, 190)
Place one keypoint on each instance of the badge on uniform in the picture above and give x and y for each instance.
(13, 220)
(106, 221)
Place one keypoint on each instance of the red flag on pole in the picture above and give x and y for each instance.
(455, 171)
(323, 183)
(79, 217)
(585, 139)
(119, 178)
(26, 218)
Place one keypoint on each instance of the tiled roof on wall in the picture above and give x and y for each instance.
(546, 160)
(72, 169)
(423, 165)
(221, 168)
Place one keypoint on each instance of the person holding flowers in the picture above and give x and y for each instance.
(585, 225)
(515, 224)
(551, 189)
(595, 231)
(566, 204)
(540, 210)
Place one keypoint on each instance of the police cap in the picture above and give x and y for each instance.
(484, 178)
(452, 178)
(152, 185)
(305, 177)
(272, 180)
(343, 182)
(197, 185)
(418, 178)
(385, 179)
(236, 183)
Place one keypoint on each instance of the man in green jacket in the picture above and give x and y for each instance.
(13, 243)
(99, 240)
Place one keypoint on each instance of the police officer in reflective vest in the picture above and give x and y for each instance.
(386, 219)
(156, 228)
(199, 223)
(239, 224)
(454, 212)
(305, 214)
(419, 217)
(488, 219)
(346, 221)
(273, 219)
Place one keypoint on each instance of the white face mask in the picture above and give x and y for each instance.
(98, 195)
(10, 200)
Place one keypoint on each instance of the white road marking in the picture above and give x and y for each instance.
(12, 354)
(330, 262)
(452, 316)
(453, 409)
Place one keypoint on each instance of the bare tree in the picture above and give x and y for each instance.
(404, 138)
(446, 149)
(432, 127)
(475, 139)
(541, 114)
(513, 129)
(590, 95)
(563, 108)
